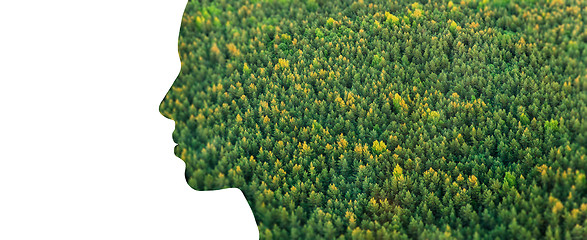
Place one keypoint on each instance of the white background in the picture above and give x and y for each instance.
(84, 152)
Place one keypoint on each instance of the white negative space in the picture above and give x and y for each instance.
(84, 152)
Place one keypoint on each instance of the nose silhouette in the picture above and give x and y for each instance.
(162, 107)
(172, 104)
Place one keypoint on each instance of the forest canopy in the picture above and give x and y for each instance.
(388, 119)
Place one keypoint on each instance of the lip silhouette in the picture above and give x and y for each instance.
(177, 148)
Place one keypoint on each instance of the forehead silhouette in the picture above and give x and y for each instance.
(386, 119)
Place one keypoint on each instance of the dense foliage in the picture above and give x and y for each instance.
(388, 119)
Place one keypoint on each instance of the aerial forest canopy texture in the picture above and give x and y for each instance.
(388, 119)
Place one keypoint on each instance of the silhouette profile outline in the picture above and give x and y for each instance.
(385, 119)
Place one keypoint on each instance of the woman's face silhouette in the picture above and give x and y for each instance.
(199, 103)
(340, 118)
(219, 129)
